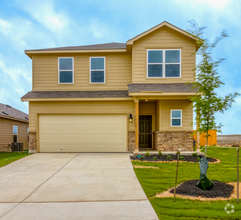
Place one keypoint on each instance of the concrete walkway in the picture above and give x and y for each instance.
(72, 186)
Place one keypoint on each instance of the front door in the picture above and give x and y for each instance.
(145, 131)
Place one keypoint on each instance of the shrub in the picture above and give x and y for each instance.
(169, 157)
(181, 158)
(141, 157)
(147, 153)
(159, 152)
(198, 158)
(194, 154)
(154, 158)
(194, 148)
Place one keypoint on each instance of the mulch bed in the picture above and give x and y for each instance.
(219, 189)
(188, 158)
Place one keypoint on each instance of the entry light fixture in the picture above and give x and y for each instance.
(130, 118)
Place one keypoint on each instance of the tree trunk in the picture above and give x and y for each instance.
(205, 154)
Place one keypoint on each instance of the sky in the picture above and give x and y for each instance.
(28, 24)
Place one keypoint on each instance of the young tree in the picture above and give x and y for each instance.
(206, 102)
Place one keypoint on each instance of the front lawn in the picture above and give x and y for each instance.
(156, 181)
(9, 157)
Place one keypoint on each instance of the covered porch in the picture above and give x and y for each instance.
(163, 120)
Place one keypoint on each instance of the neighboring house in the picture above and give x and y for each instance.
(114, 97)
(13, 127)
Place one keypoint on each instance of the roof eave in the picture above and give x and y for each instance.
(77, 99)
(156, 93)
(14, 119)
(29, 53)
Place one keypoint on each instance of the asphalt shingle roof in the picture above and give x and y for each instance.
(76, 94)
(8, 111)
(107, 46)
(160, 87)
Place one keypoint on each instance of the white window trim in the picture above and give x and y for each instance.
(66, 70)
(176, 118)
(163, 64)
(17, 131)
(98, 70)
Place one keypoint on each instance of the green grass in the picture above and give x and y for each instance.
(158, 180)
(9, 157)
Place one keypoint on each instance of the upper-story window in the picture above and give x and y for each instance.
(163, 63)
(66, 69)
(97, 69)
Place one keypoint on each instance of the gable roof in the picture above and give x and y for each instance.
(164, 23)
(9, 112)
(109, 47)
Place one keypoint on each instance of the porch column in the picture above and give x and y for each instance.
(137, 125)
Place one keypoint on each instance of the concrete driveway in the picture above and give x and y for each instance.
(72, 186)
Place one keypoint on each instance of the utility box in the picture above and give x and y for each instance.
(17, 146)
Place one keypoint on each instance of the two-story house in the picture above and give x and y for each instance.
(114, 97)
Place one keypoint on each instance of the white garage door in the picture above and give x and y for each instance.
(82, 133)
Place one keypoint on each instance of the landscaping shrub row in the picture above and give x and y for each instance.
(170, 157)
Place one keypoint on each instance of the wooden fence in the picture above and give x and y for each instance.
(212, 140)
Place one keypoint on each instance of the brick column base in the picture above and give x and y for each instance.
(131, 141)
(32, 142)
(172, 140)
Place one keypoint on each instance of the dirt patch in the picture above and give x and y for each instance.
(232, 196)
(145, 167)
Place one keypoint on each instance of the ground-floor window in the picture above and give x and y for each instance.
(176, 118)
(15, 133)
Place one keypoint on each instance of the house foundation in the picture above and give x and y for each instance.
(172, 140)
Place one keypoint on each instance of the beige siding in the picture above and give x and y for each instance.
(165, 115)
(6, 133)
(45, 72)
(163, 38)
(91, 107)
(158, 109)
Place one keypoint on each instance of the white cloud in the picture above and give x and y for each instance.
(14, 73)
(100, 30)
(15, 82)
(44, 12)
(5, 26)
(217, 4)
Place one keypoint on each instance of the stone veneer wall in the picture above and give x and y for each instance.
(131, 140)
(171, 140)
(32, 142)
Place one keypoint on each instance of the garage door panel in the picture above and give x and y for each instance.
(82, 133)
